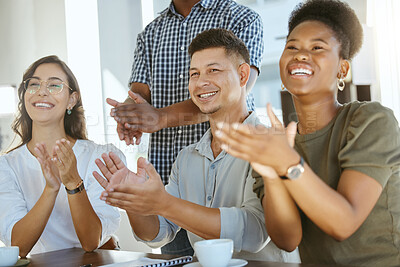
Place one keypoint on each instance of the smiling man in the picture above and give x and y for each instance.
(210, 192)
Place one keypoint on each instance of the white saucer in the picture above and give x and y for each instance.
(232, 263)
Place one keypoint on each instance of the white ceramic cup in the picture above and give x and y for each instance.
(214, 252)
(9, 255)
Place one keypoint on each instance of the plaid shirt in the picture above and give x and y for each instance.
(162, 62)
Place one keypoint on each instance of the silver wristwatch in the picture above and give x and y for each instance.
(295, 171)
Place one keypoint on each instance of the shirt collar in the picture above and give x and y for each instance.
(204, 144)
(204, 3)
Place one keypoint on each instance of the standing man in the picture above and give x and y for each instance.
(210, 192)
(159, 81)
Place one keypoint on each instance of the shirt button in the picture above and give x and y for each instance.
(209, 198)
(179, 131)
(212, 166)
(182, 48)
(181, 76)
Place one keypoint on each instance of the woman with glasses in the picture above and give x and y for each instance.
(333, 187)
(49, 199)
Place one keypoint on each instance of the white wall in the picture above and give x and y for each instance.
(29, 30)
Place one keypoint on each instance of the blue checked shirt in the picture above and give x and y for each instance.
(162, 62)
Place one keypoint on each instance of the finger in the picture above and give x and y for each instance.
(100, 179)
(129, 117)
(66, 148)
(234, 151)
(125, 205)
(291, 131)
(232, 137)
(275, 123)
(121, 131)
(103, 169)
(136, 97)
(124, 108)
(61, 150)
(236, 130)
(113, 102)
(38, 152)
(109, 163)
(117, 161)
(138, 138)
(150, 170)
(43, 150)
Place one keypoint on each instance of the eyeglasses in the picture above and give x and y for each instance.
(54, 85)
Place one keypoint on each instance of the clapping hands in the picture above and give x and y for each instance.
(61, 167)
(263, 147)
(134, 119)
(131, 191)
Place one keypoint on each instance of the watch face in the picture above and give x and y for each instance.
(295, 171)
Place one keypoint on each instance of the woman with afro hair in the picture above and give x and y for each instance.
(331, 185)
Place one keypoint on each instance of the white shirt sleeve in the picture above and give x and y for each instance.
(12, 203)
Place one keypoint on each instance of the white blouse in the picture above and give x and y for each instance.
(22, 183)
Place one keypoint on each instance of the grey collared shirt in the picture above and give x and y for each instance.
(224, 182)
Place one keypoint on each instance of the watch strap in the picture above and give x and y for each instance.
(284, 177)
(78, 188)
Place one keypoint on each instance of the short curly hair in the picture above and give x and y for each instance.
(337, 15)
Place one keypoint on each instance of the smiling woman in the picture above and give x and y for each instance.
(331, 186)
(35, 214)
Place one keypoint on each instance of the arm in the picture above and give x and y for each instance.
(25, 233)
(338, 213)
(86, 222)
(282, 218)
(142, 207)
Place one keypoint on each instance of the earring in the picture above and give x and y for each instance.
(340, 84)
(282, 87)
(69, 111)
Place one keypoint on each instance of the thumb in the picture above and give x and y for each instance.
(113, 102)
(151, 171)
(136, 97)
(275, 123)
(291, 131)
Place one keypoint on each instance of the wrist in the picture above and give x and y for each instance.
(51, 190)
(291, 159)
(72, 182)
(163, 118)
(165, 203)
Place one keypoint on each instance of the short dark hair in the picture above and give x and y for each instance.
(337, 15)
(74, 124)
(214, 38)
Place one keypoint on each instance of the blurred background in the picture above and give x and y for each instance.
(97, 38)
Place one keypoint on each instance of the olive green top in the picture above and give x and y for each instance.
(363, 136)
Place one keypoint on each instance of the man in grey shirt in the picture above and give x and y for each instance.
(210, 192)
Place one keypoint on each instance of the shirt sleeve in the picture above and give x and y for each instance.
(109, 216)
(12, 203)
(245, 225)
(168, 229)
(373, 141)
(250, 31)
(258, 186)
(140, 67)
